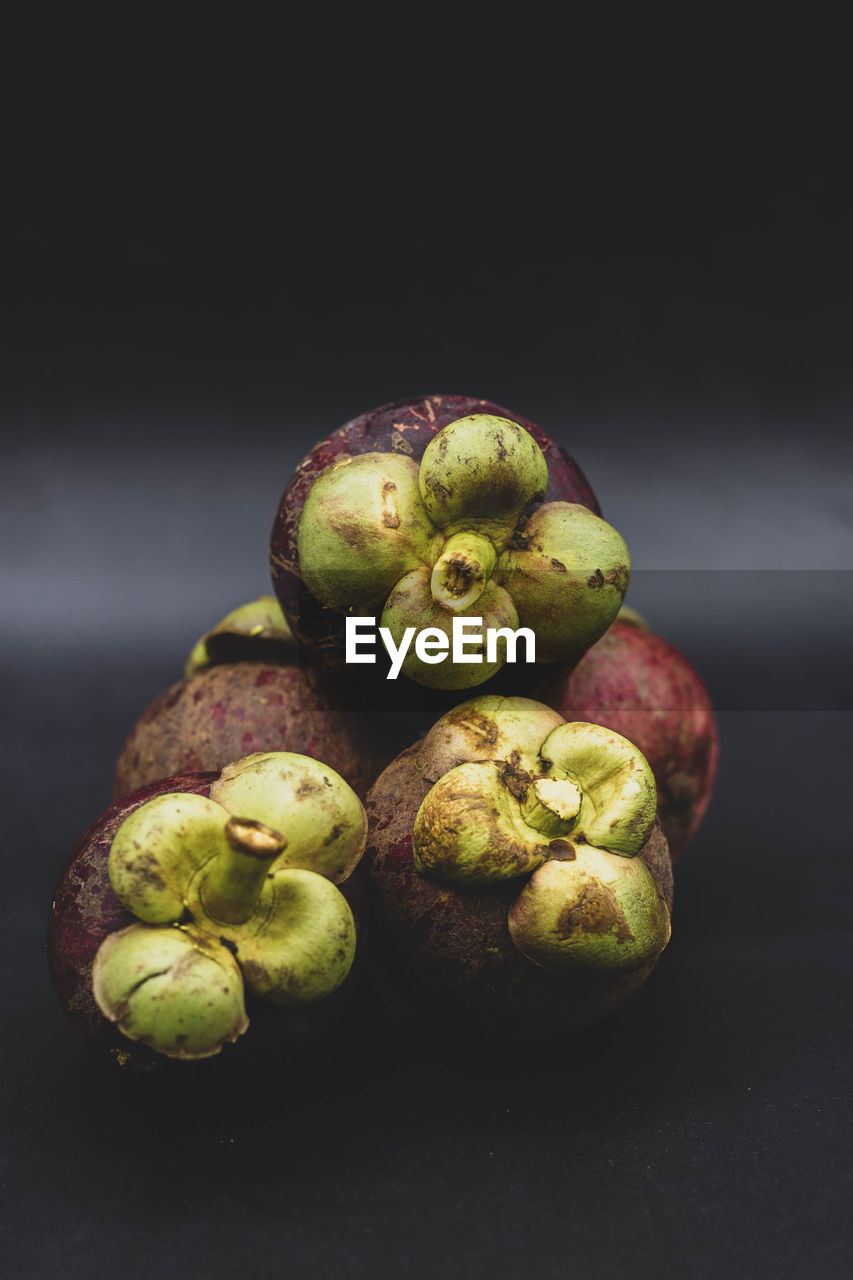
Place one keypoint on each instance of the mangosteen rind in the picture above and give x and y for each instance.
(173, 908)
(525, 957)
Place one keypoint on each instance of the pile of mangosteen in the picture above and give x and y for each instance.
(444, 724)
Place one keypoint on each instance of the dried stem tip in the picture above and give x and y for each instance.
(233, 884)
(462, 571)
(552, 806)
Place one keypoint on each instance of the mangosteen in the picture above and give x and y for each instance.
(245, 690)
(425, 512)
(639, 684)
(203, 901)
(518, 881)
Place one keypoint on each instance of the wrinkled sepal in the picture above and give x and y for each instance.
(177, 990)
(596, 911)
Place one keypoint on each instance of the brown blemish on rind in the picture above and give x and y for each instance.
(515, 779)
(617, 578)
(308, 787)
(594, 911)
(636, 824)
(438, 842)
(502, 451)
(481, 728)
(144, 875)
(470, 735)
(390, 514)
(441, 491)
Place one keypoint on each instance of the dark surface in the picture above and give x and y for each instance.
(223, 245)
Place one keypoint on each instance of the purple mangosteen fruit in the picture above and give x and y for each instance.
(204, 901)
(639, 684)
(517, 878)
(424, 513)
(245, 691)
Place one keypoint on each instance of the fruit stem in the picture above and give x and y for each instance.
(233, 884)
(552, 806)
(462, 571)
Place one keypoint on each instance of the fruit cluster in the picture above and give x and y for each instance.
(515, 862)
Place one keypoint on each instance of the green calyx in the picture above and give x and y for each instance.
(258, 630)
(455, 537)
(566, 805)
(215, 890)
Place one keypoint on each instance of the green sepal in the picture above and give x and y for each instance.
(177, 990)
(299, 945)
(469, 829)
(260, 624)
(490, 727)
(363, 526)
(321, 816)
(619, 793)
(481, 473)
(567, 572)
(411, 605)
(158, 849)
(593, 911)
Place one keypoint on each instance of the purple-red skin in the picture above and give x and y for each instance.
(85, 911)
(226, 712)
(450, 948)
(638, 684)
(405, 426)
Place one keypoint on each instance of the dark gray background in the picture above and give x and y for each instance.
(224, 243)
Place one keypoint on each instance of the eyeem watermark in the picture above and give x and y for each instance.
(433, 645)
